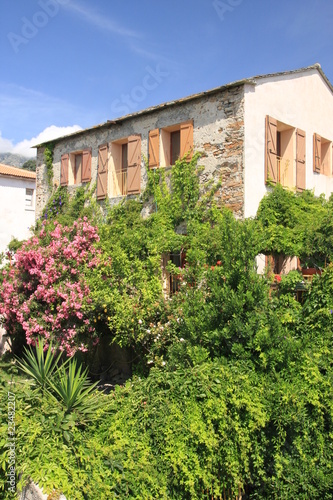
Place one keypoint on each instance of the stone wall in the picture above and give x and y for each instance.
(33, 492)
(43, 191)
(218, 132)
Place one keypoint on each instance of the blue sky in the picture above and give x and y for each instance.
(70, 64)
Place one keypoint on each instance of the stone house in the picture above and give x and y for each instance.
(275, 127)
(17, 204)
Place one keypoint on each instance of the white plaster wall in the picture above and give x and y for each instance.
(15, 217)
(302, 100)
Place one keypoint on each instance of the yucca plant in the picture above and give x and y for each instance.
(68, 384)
(38, 364)
(72, 389)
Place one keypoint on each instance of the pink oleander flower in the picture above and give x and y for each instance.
(38, 296)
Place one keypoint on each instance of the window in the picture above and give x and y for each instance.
(322, 155)
(75, 167)
(123, 159)
(102, 172)
(275, 263)
(172, 282)
(174, 146)
(126, 166)
(168, 144)
(29, 198)
(285, 154)
(281, 264)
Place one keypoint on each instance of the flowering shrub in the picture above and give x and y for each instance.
(44, 293)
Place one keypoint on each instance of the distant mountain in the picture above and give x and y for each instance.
(17, 161)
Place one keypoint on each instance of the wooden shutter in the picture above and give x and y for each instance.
(316, 153)
(134, 164)
(64, 170)
(166, 148)
(300, 159)
(271, 163)
(154, 148)
(102, 172)
(117, 176)
(325, 157)
(86, 165)
(186, 140)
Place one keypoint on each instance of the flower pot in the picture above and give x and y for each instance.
(310, 271)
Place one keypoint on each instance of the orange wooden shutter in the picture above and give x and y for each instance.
(64, 170)
(186, 140)
(154, 148)
(102, 173)
(86, 165)
(117, 176)
(271, 163)
(316, 153)
(300, 159)
(134, 164)
(166, 148)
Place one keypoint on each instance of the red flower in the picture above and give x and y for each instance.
(212, 268)
(218, 263)
(277, 278)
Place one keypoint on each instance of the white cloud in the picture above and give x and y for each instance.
(25, 147)
(25, 112)
(5, 145)
(101, 21)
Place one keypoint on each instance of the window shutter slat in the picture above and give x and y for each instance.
(186, 140)
(86, 165)
(102, 172)
(316, 153)
(64, 170)
(134, 164)
(300, 159)
(271, 163)
(154, 148)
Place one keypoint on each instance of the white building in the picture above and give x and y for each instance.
(17, 204)
(288, 133)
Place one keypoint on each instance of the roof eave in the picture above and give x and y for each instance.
(248, 81)
(151, 109)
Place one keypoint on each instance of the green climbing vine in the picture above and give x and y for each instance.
(48, 158)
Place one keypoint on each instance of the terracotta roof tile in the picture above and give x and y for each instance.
(16, 172)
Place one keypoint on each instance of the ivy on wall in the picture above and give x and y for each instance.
(48, 158)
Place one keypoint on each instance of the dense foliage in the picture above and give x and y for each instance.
(30, 165)
(297, 224)
(235, 393)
